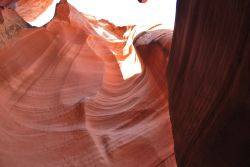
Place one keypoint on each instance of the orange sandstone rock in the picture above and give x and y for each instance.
(77, 92)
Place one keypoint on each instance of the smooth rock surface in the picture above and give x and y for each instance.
(77, 92)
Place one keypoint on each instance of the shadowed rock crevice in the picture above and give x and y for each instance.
(208, 77)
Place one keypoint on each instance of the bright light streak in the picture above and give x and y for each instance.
(120, 12)
(46, 16)
(129, 12)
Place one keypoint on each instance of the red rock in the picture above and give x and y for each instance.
(142, 1)
(76, 93)
(31, 9)
(10, 25)
(6, 2)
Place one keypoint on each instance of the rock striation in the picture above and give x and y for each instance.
(208, 77)
(83, 92)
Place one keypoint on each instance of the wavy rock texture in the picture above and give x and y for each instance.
(78, 93)
(208, 78)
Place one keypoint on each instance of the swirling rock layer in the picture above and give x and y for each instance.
(78, 93)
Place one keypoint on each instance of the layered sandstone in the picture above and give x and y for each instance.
(77, 92)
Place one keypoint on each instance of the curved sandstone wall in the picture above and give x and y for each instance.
(77, 92)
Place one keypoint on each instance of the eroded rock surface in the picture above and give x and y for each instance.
(77, 92)
(10, 25)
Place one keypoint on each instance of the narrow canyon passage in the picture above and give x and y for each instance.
(91, 83)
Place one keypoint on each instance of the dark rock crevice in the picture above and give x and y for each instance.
(208, 79)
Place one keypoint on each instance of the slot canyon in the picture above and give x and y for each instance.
(124, 86)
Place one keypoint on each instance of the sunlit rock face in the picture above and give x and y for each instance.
(29, 10)
(77, 92)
